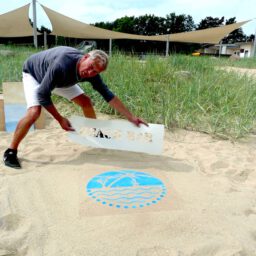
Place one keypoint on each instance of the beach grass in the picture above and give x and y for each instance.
(179, 91)
(240, 63)
(11, 61)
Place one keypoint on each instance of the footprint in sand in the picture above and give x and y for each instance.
(213, 168)
(251, 211)
(10, 222)
(253, 234)
(4, 252)
(237, 175)
(219, 165)
(242, 175)
(13, 233)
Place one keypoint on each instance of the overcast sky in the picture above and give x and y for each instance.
(91, 11)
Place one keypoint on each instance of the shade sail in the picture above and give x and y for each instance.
(65, 26)
(209, 35)
(68, 27)
(16, 23)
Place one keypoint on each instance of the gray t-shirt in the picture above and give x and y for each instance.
(57, 68)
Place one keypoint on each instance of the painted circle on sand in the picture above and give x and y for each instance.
(126, 189)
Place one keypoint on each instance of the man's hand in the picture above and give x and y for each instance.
(137, 121)
(121, 108)
(65, 124)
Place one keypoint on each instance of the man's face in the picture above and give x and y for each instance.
(88, 67)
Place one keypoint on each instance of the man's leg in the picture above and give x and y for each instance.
(10, 155)
(85, 103)
(76, 94)
(24, 125)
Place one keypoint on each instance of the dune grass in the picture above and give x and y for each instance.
(11, 63)
(241, 63)
(206, 99)
(202, 98)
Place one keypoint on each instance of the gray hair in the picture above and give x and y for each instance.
(101, 56)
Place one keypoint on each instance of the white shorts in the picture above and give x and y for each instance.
(31, 86)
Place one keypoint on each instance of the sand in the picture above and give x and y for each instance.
(242, 71)
(211, 208)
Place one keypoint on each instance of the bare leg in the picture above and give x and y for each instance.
(85, 103)
(24, 125)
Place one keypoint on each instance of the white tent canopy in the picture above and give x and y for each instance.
(16, 24)
(68, 27)
(65, 26)
(209, 35)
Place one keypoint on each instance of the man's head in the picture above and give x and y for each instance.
(92, 63)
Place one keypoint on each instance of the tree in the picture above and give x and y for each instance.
(250, 38)
(105, 25)
(210, 22)
(125, 24)
(178, 23)
(44, 29)
(149, 25)
(40, 30)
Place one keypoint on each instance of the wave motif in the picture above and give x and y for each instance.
(126, 189)
(128, 197)
(115, 191)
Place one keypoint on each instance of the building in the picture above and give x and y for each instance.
(240, 49)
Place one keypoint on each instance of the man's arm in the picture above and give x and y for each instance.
(122, 109)
(64, 122)
(113, 100)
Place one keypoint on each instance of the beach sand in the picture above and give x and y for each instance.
(211, 208)
(250, 72)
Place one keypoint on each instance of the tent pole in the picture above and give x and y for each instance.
(167, 47)
(34, 23)
(110, 47)
(45, 40)
(220, 49)
(254, 46)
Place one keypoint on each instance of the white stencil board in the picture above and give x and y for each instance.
(123, 135)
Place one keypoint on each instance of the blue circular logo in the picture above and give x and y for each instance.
(126, 189)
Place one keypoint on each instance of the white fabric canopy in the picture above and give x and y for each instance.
(65, 26)
(16, 23)
(68, 27)
(209, 35)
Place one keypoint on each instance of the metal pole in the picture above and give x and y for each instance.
(220, 49)
(45, 40)
(34, 23)
(167, 47)
(254, 46)
(110, 47)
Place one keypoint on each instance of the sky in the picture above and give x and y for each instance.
(91, 11)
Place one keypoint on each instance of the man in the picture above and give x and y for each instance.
(58, 70)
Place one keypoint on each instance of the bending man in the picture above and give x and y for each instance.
(58, 70)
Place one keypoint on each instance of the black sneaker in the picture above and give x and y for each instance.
(10, 159)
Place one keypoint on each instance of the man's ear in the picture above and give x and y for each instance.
(86, 56)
